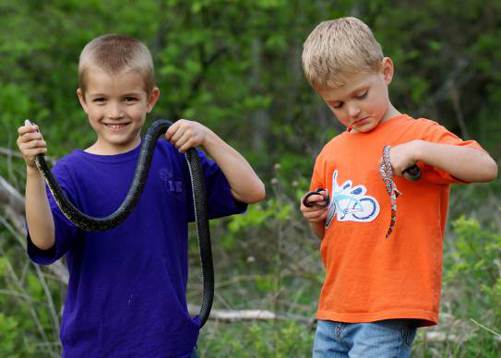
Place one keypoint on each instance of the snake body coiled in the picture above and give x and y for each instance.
(89, 223)
(386, 171)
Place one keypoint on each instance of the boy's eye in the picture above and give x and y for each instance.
(337, 105)
(98, 100)
(130, 99)
(362, 95)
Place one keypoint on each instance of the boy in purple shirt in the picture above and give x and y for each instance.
(126, 292)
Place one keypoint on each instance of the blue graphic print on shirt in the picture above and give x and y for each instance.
(349, 203)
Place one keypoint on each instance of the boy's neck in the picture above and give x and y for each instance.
(99, 149)
(392, 112)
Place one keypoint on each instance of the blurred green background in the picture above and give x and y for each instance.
(234, 66)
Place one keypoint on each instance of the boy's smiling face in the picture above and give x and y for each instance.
(116, 105)
(363, 101)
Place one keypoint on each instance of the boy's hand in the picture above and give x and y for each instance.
(30, 143)
(317, 212)
(403, 156)
(184, 134)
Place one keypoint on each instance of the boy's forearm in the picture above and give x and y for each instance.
(467, 164)
(38, 213)
(244, 183)
(318, 229)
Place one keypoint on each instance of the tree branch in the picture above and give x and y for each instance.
(10, 197)
(12, 203)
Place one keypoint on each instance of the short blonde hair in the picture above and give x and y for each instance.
(115, 53)
(339, 47)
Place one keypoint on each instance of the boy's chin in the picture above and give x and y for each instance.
(365, 127)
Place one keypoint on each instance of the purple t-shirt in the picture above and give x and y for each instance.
(127, 289)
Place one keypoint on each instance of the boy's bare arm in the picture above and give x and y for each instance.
(244, 183)
(464, 163)
(318, 229)
(38, 214)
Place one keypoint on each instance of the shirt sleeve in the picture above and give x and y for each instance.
(436, 133)
(65, 231)
(220, 199)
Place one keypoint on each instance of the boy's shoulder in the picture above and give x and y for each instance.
(425, 129)
(405, 122)
(424, 123)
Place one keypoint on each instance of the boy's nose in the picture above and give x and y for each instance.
(353, 111)
(115, 111)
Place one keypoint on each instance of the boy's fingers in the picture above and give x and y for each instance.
(30, 136)
(190, 143)
(188, 140)
(175, 127)
(184, 139)
(25, 129)
(185, 147)
(29, 124)
(315, 201)
(170, 131)
(317, 218)
(33, 136)
(312, 213)
(38, 143)
(175, 135)
(28, 129)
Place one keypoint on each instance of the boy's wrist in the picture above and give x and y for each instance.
(419, 150)
(318, 228)
(209, 140)
(32, 171)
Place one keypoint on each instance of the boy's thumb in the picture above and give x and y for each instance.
(27, 122)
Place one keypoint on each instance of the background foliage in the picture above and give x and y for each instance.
(234, 65)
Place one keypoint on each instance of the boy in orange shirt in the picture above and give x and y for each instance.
(378, 289)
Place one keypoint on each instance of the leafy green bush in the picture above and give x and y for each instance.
(280, 339)
(473, 272)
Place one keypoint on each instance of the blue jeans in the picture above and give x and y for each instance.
(389, 339)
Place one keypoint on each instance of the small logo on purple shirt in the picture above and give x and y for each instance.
(170, 182)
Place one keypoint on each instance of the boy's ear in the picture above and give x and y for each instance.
(81, 99)
(388, 70)
(153, 98)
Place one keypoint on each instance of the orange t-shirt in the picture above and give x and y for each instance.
(370, 277)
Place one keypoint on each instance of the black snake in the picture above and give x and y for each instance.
(89, 223)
